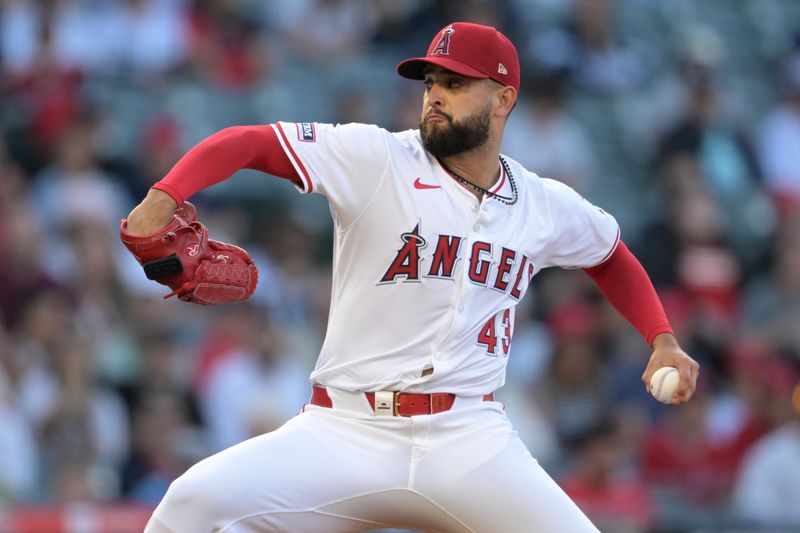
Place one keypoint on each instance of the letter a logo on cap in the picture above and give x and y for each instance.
(443, 46)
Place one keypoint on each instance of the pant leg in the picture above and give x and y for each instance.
(478, 469)
(296, 479)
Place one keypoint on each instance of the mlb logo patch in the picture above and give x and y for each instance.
(306, 132)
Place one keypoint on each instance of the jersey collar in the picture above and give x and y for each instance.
(502, 187)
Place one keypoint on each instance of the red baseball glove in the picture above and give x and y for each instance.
(197, 269)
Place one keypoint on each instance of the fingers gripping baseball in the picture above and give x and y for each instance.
(667, 352)
(197, 269)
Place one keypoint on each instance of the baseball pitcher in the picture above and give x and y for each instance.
(434, 225)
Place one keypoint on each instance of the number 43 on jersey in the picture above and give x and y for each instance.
(496, 337)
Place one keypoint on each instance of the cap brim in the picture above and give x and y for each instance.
(413, 68)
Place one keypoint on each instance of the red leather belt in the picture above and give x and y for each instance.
(403, 403)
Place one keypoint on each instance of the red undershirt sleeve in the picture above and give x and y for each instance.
(626, 285)
(216, 158)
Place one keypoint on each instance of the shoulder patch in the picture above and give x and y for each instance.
(306, 132)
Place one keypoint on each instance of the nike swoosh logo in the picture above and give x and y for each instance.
(419, 185)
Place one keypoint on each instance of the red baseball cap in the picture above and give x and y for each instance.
(469, 49)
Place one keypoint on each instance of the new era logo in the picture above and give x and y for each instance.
(501, 69)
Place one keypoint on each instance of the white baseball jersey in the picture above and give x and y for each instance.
(426, 276)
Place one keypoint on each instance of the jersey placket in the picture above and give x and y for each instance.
(475, 303)
(474, 231)
(479, 232)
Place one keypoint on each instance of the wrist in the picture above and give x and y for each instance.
(164, 187)
(663, 340)
(160, 200)
(155, 212)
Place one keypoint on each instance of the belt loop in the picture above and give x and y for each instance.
(385, 403)
(438, 403)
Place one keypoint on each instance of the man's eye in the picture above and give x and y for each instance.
(428, 84)
(454, 84)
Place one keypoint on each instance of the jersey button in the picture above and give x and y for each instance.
(476, 227)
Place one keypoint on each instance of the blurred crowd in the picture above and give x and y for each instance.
(681, 118)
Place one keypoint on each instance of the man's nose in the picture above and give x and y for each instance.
(435, 94)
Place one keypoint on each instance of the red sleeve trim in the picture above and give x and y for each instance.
(170, 190)
(626, 285)
(655, 332)
(308, 185)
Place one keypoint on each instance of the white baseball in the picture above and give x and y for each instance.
(663, 383)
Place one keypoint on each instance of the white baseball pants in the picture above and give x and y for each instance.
(346, 469)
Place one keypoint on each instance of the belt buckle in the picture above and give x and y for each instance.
(396, 408)
(396, 405)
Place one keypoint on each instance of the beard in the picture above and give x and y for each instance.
(457, 136)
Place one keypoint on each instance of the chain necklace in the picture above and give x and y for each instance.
(508, 200)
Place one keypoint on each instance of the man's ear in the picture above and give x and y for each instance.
(506, 98)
